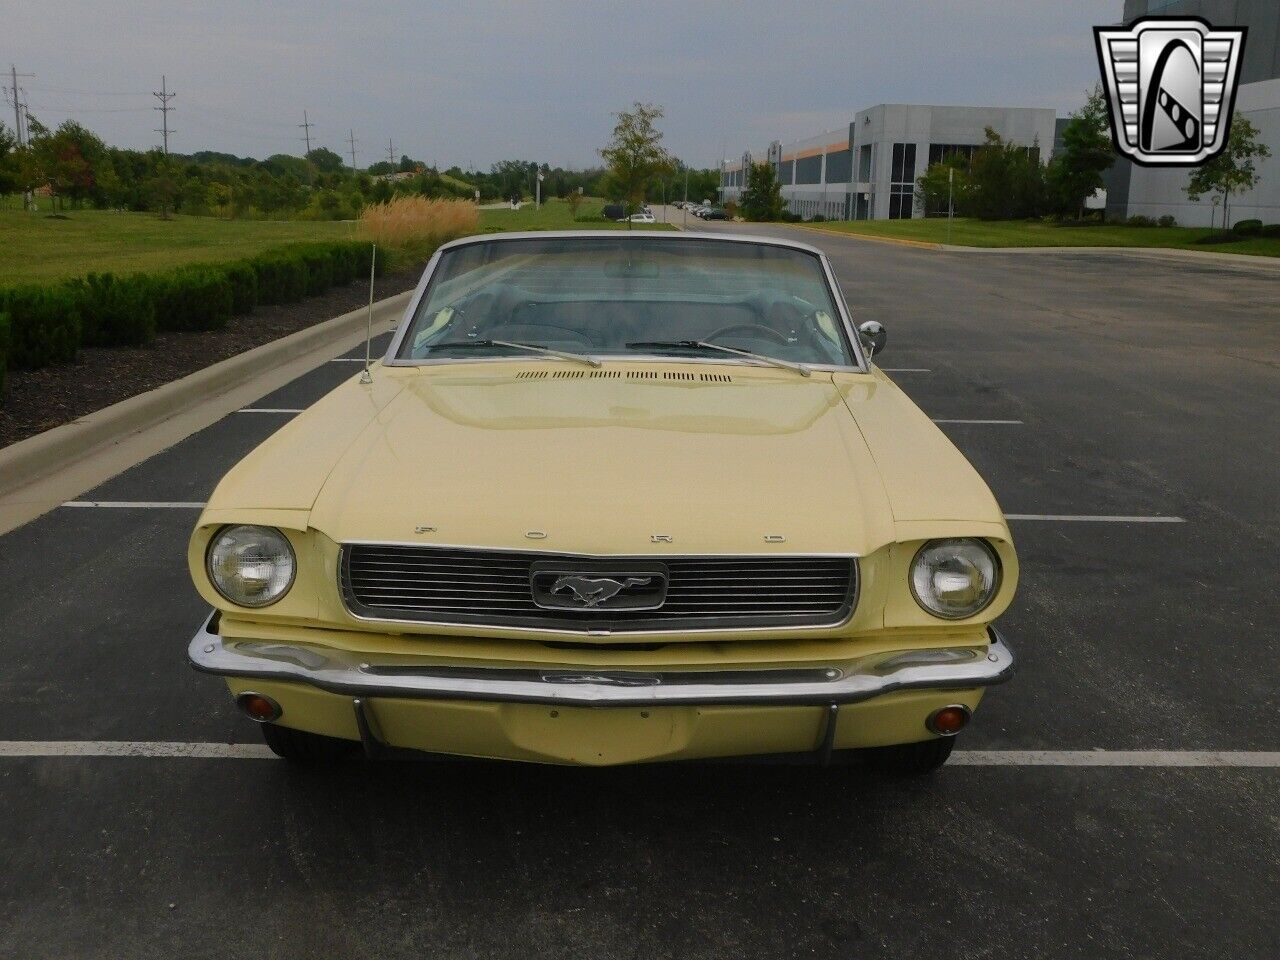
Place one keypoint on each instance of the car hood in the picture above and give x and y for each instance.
(631, 459)
(569, 460)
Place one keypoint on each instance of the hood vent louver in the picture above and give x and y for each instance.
(678, 375)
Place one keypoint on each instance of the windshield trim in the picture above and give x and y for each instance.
(391, 357)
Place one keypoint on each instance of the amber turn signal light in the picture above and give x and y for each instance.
(258, 706)
(948, 721)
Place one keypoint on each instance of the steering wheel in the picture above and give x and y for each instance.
(768, 332)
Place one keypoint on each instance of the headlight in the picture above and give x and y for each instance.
(954, 579)
(251, 566)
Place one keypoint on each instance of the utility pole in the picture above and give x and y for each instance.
(391, 154)
(306, 126)
(17, 122)
(164, 96)
(351, 139)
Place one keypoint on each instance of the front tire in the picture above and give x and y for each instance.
(910, 759)
(298, 746)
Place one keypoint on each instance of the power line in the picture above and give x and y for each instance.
(90, 93)
(351, 139)
(164, 96)
(306, 126)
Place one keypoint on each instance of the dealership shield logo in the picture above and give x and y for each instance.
(1171, 85)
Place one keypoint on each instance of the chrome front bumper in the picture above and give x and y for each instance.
(354, 675)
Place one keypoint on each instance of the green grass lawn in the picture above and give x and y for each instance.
(1017, 233)
(36, 247)
(555, 215)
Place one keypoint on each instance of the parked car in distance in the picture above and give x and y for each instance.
(644, 217)
(715, 213)
(611, 498)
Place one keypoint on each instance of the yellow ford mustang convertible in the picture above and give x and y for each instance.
(611, 498)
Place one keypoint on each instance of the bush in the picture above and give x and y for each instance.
(1271, 230)
(115, 312)
(193, 298)
(817, 218)
(1248, 228)
(281, 275)
(44, 325)
(319, 263)
(416, 225)
(4, 351)
(1140, 221)
(1167, 221)
(244, 286)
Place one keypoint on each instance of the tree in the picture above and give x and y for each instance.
(1075, 174)
(1231, 171)
(8, 161)
(943, 184)
(511, 177)
(762, 200)
(1007, 181)
(325, 160)
(161, 189)
(635, 154)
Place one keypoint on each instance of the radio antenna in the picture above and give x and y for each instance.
(367, 377)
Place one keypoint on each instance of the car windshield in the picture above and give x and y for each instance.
(610, 295)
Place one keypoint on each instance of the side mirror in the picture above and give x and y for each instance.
(874, 336)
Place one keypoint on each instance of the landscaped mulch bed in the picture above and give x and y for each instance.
(39, 400)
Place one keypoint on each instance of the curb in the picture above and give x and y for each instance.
(892, 241)
(1168, 253)
(46, 453)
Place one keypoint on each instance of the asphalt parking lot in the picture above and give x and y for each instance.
(1134, 388)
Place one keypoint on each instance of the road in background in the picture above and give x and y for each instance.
(1125, 387)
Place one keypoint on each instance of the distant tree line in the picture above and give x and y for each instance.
(74, 167)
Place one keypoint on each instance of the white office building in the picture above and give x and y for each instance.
(868, 170)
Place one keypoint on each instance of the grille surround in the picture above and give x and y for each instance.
(465, 586)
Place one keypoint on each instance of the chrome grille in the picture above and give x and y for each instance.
(492, 588)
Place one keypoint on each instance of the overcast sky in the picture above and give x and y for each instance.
(473, 83)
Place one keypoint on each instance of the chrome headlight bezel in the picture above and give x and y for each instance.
(966, 544)
(280, 585)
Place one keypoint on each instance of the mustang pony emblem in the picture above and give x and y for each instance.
(593, 591)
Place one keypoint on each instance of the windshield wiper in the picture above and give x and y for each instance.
(531, 347)
(799, 368)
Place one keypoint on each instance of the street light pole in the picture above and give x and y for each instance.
(951, 207)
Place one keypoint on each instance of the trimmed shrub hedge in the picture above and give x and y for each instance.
(44, 325)
(48, 324)
(115, 312)
(1248, 228)
(4, 350)
(193, 298)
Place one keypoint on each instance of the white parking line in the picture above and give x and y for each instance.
(133, 748)
(963, 758)
(269, 410)
(1066, 518)
(1116, 758)
(1012, 423)
(138, 504)
(350, 360)
(905, 370)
